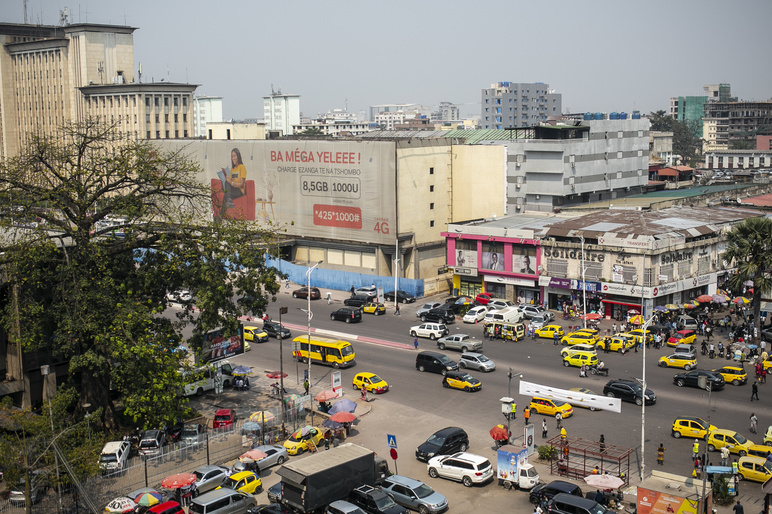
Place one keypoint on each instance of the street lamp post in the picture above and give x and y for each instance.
(310, 315)
(643, 392)
(282, 310)
(510, 376)
(584, 288)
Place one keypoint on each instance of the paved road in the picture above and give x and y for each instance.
(417, 404)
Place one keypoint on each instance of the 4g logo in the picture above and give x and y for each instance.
(382, 227)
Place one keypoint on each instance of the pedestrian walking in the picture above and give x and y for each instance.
(363, 392)
(555, 339)
(613, 328)
(738, 508)
(305, 385)
(544, 429)
(754, 423)
(396, 309)
(661, 454)
(583, 371)
(695, 450)
(602, 443)
(415, 343)
(286, 284)
(755, 391)
(563, 435)
(725, 456)
(559, 420)
(526, 414)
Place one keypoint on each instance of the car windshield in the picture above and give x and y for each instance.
(597, 509)
(189, 432)
(385, 502)
(375, 379)
(108, 457)
(423, 490)
(467, 377)
(428, 306)
(347, 350)
(232, 484)
(436, 440)
(558, 403)
(481, 358)
(148, 443)
(740, 439)
(222, 417)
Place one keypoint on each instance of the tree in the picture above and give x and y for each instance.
(749, 250)
(687, 141)
(661, 121)
(312, 132)
(99, 229)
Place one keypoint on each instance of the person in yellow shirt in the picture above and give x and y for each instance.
(234, 181)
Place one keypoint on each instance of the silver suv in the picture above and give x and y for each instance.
(478, 361)
(414, 495)
(534, 310)
(461, 342)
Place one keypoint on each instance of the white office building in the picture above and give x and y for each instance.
(281, 112)
(206, 109)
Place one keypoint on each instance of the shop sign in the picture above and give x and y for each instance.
(560, 283)
(621, 242)
(667, 258)
(593, 287)
(509, 280)
(572, 253)
(469, 272)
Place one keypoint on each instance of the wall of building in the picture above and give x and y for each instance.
(478, 181)
(234, 130)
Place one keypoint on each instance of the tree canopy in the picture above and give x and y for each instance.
(97, 229)
(749, 250)
(661, 121)
(687, 141)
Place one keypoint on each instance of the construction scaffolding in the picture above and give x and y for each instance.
(577, 458)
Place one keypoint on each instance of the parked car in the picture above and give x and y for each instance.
(336, 507)
(274, 329)
(347, 314)
(38, 487)
(275, 455)
(430, 330)
(547, 491)
(462, 342)
(476, 361)
(192, 434)
(539, 321)
(443, 442)
(414, 494)
(483, 298)
(152, 443)
(303, 293)
(440, 314)
(244, 481)
(629, 391)
(376, 309)
(224, 419)
(372, 382)
(569, 504)
(534, 310)
(691, 427)
(357, 300)
(736, 442)
(692, 378)
(179, 296)
(369, 291)
(374, 501)
(255, 335)
(426, 308)
(475, 314)
(498, 304)
(402, 297)
(115, 456)
(209, 478)
(463, 467)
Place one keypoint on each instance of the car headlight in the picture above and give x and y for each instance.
(430, 454)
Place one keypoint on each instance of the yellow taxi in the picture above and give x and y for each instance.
(578, 348)
(579, 358)
(549, 331)
(691, 427)
(682, 337)
(550, 407)
(768, 436)
(754, 468)
(373, 308)
(638, 335)
(372, 382)
(255, 334)
(736, 443)
(678, 360)
(593, 331)
(733, 375)
(615, 344)
(759, 450)
(579, 337)
(303, 439)
(461, 380)
(244, 481)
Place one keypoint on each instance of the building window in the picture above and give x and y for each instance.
(684, 269)
(431, 189)
(666, 270)
(175, 101)
(148, 135)
(175, 118)
(431, 206)
(156, 101)
(166, 118)
(431, 223)
(593, 270)
(431, 171)
(557, 268)
(156, 118)
(166, 102)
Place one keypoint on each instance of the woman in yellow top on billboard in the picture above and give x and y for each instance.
(234, 181)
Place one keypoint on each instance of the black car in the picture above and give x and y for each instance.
(629, 391)
(439, 314)
(402, 296)
(547, 491)
(692, 378)
(347, 314)
(357, 300)
(274, 329)
(274, 493)
(443, 442)
(374, 501)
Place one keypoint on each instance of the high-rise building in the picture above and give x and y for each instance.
(510, 105)
(52, 75)
(281, 111)
(206, 109)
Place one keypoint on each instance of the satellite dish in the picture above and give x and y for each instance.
(739, 200)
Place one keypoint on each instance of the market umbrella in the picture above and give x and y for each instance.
(499, 433)
(276, 374)
(253, 455)
(672, 307)
(177, 481)
(121, 505)
(344, 405)
(326, 395)
(303, 431)
(343, 417)
(250, 426)
(241, 371)
(661, 308)
(741, 299)
(719, 298)
(332, 425)
(262, 416)
(592, 315)
(604, 481)
(149, 498)
(704, 298)
(689, 305)
(633, 311)
(637, 320)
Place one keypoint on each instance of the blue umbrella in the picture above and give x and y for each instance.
(332, 425)
(661, 308)
(241, 371)
(344, 405)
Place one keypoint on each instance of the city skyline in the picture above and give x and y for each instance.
(602, 56)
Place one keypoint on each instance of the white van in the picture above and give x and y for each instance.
(685, 322)
(206, 376)
(115, 456)
(508, 315)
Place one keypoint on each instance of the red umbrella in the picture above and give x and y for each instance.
(253, 454)
(592, 315)
(633, 311)
(343, 417)
(276, 374)
(326, 395)
(704, 298)
(499, 433)
(177, 481)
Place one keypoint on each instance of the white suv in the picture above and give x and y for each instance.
(534, 310)
(467, 468)
(430, 330)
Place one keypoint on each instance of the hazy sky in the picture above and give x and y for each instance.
(601, 55)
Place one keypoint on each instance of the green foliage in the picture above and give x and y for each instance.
(546, 452)
(96, 299)
(661, 121)
(721, 490)
(687, 141)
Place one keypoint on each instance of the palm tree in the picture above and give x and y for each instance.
(750, 249)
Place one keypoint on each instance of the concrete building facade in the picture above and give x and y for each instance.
(205, 109)
(735, 123)
(281, 112)
(509, 105)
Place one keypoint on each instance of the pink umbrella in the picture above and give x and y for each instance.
(343, 417)
(326, 395)
(633, 311)
(704, 298)
(177, 481)
(253, 455)
(592, 315)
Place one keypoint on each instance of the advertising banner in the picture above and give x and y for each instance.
(341, 190)
(655, 502)
(466, 258)
(215, 346)
(524, 259)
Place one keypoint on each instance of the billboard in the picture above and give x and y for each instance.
(524, 259)
(655, 502)
(341, 190)
(213, 346)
